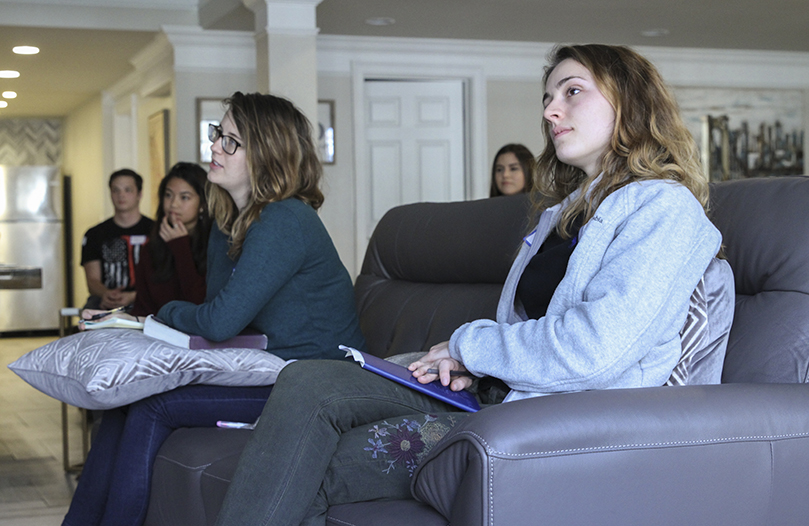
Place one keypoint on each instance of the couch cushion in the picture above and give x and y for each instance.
(431, 267)
(215, 478)
(766, 238)
(389, 513)
(179, 466)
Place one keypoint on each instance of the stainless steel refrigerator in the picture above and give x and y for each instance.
(32, 235)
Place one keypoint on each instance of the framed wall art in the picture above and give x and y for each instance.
(325, 130)
(209, 111)
(745, 132)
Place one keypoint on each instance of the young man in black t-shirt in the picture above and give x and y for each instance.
(110, 250)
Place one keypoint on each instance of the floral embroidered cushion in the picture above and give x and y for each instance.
(394, 447)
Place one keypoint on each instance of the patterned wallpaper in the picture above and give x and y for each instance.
(30, 142)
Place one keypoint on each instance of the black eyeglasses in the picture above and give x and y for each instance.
(229, 144)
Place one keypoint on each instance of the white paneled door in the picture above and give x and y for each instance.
(414, 135)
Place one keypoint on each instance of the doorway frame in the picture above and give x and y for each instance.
(476, 176)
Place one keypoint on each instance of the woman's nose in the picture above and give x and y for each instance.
(551, 112)
(217, 145)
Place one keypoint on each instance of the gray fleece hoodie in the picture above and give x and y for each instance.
(615, 318)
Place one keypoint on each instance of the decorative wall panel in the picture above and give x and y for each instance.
(30, 142)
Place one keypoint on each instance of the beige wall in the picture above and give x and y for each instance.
(82, 160)
(337, 212)
(188, 86)
(514, 115)
(146, 108)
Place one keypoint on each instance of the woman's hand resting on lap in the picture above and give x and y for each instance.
(439, 358)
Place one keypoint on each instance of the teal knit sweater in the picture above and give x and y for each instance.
(288, 283)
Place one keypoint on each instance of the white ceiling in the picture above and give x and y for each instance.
(86, 44)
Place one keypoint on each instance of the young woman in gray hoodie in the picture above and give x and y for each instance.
(596, 298)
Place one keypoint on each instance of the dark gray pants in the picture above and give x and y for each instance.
(331, 433)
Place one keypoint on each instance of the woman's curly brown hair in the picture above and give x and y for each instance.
(649, 141)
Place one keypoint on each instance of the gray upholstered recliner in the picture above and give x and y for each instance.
(735, 454)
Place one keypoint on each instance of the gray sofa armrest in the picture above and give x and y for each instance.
(718, 454)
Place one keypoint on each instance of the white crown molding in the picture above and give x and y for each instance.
(285, 17)
(154, 83)
(196, 49)
(186, 49)
(507, 60)
(157, 84)
(124, 16)
(524, 61)
(290, 31)
(731, 68)
(156, 54)
(129, 84)
(137, 4)
(153, 71)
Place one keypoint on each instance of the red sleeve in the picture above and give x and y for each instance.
(192, 283)
(144, 302)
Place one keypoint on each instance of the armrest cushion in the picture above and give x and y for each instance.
(718, 454)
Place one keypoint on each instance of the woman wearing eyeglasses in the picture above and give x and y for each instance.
(271, 266)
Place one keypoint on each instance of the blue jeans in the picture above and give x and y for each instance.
(320, 442)
(115, 483)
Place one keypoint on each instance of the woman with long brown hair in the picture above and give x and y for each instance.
(174, 262)
(271, 266)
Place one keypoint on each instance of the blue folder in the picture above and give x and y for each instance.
(460, 399)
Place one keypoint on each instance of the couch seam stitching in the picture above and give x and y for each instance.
(493, 451)
(491, 491)
(335, 519)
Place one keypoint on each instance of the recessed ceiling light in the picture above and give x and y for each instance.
(25, 50)
(380, 21)
(9, 94)
(654, 33)
(9, 74)
(3, 104)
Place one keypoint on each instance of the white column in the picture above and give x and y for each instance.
(286, 50)
(205, 63)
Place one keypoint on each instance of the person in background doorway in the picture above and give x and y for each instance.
(111, 250)
(512, 171)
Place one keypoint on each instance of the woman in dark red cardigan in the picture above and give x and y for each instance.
(174, 263)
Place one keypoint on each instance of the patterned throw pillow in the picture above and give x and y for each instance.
(693, 336)
(108, 368)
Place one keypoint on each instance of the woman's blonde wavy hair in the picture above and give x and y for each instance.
(282, 162)
(649, 141)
